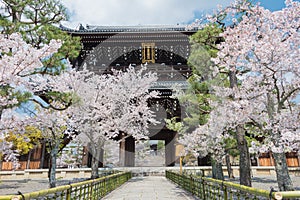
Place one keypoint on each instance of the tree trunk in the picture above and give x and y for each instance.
(232, 79)
(217, 171)
(282, 173)
(52, 168)
(1, 111)
(95, 163)
(229, 168)
(245, 167)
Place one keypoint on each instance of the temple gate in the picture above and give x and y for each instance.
(165, 49)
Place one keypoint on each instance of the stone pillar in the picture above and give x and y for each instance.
(170, 151)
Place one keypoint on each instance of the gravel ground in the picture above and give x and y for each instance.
(26, 186)
(10, 187)
(266, 182)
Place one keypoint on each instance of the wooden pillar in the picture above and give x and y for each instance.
(85, 157)
(129, 152)
(170, 151)
(271, 159)
(29, 158)
(43, 152)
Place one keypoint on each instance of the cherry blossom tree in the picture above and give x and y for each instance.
(235, 58)
(216, 137)
(55, 118)
(265, 45)
(18, 63)
(204, 46)
(113, 107)
(55, 126)
(30, 70)
(232, 14)
(208, 140)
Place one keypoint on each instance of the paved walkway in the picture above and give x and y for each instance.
(154, 184)
(149, 188)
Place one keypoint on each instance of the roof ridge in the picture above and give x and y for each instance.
(131, 28)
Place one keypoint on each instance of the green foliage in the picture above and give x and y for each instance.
(160, 145)
(58, 100)
(29, 15)
(37, 21)
(203, 48)
(231, 146)
(8, 92)
(196, 98)
(58, 97)
(198, 95)
(172, 124)
(208, 38)
(69, 50)
(196, 102)
(54, 137)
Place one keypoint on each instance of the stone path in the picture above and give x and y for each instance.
(152, 183)
(149, 188)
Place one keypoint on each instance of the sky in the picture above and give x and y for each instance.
(145, 12)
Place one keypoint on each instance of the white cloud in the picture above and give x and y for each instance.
(135, 12)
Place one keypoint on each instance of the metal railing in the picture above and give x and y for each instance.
(209, 188)
(91, 189)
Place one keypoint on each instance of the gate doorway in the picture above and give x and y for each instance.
(150, 153)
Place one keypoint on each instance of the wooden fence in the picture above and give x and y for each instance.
(91, 189)
(208, 188)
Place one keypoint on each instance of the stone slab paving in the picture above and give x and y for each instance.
(25, 186)
(149, 188)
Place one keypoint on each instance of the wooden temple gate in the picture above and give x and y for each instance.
(165, 49)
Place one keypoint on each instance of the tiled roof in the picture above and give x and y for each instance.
(139, 28)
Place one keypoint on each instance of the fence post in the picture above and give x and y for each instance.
(224, 187)
(68, 197)
(90, 189)
(203, 188)
(192, 185)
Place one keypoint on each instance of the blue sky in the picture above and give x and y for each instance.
(145, 12)
(272, 4)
